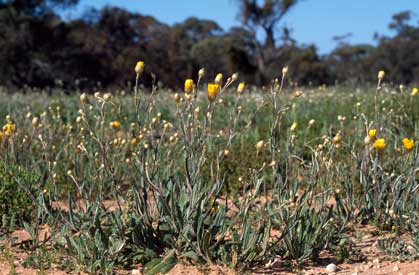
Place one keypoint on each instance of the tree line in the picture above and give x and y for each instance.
(100, 48)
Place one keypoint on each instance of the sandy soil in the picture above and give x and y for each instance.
(375, 263)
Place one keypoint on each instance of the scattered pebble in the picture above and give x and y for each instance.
(330, 268)
(411, 250)
(396, 268)
(367, 266)
(411, 273)
(135, 272)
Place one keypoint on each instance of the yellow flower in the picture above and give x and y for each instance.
(9, 128)
(408, 144)
(218, 78)
(1, 136)
(139, 68)
(294, 126)
(213, 89)
(115, 124)
(241, 87)
(379, 144)
(188, 86)
(381, 74)
(372, 133)
(415, 91)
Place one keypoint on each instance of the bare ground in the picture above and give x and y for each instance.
(376, 263)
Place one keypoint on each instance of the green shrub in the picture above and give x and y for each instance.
(18, 188)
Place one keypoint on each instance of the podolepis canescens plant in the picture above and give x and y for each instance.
(217, 173)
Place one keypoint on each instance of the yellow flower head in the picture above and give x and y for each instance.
(241, 87)
(115, 124)
(218, 78)
(9, 128)
(1, 136)
(381, 74)
(379, 144)
(372, 133)
(408, 144)
(188, 86)
(139, 68)
(294, 126)
(415, 91)
(213, 89)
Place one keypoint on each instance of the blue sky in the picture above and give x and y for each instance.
(312, 21)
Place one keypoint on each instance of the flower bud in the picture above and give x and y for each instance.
(84, 99)
(201, 73)
(107, 97)
(188, 86)
(139, 67)
(241, 87)
(260, 145)
(235, 76)
(218, 79)
(381, 74)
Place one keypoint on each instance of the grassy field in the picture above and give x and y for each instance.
(212, 175)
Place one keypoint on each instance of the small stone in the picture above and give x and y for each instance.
(376, 261)
(367, 266)
(355, 273)
(331, 268)
(135, 272)
(411, 250)
(411, 273)
(396, 268)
